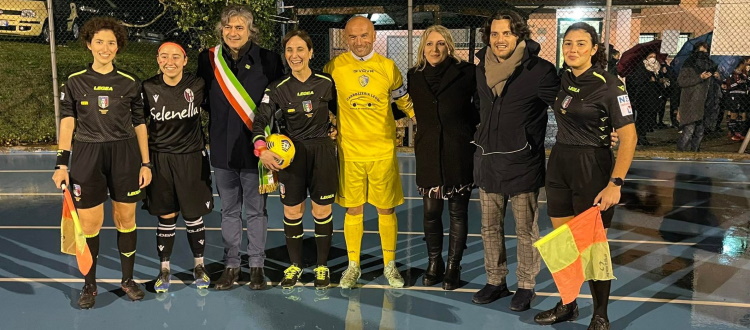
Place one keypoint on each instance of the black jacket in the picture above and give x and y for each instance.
(230, 140)
(446, 123)
(510, 137)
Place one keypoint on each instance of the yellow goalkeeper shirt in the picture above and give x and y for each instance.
(365, 88)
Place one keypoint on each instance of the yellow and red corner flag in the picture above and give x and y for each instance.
(72, 240)
(576, 252)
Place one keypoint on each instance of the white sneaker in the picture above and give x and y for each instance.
(394, 277)
(350, 276)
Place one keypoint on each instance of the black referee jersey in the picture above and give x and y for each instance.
(174, 121)
(106, 106)
(589, 106)
(303, 106)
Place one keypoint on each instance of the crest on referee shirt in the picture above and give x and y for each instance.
(363, 80)
(307, 106)
(189, 96)
(103, 102)
(566, 101)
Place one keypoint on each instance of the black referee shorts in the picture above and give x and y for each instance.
(96, 168)
(180, 183)
(575, 175)
(315, 167)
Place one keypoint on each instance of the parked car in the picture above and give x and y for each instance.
(29, 19)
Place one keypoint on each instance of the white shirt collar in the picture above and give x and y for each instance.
(367, 57)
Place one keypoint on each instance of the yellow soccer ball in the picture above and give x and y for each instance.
(281, 145)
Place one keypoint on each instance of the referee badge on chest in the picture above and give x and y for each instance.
(565, 103)
(307, 106)
(103, 102)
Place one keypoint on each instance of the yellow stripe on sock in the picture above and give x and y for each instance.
(128, 254)
(125, 231)
(324, 221)
(91, 236)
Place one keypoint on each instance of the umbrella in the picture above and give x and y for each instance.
(631, 58)
(725, 63)
(687, 49)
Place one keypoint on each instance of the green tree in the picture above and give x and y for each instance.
(204, 14)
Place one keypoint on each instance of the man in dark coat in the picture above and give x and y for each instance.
(235, 67)
(515, 87)
(694, 81)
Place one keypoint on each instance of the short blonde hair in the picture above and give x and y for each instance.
(421, 60)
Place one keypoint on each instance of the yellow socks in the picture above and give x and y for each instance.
(353, 231)
(388, 227)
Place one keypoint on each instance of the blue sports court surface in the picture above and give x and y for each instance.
(679, 242)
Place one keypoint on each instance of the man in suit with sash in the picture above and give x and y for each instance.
(236, 74)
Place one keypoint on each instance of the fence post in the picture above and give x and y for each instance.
(53, 57)
(607, 22)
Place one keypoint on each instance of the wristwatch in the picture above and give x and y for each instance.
(617, 181)
(149, 165)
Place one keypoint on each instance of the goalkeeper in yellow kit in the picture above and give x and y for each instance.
(366, 84)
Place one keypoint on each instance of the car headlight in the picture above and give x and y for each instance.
(89, 9)
(28, 13)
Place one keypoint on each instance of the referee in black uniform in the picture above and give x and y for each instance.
(104, 107)
(582, 171)
(303, 100)
(182, 174)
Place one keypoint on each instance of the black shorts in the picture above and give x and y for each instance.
(738, 102)
(315, 167)
(180, 183)
(96, 168)
(575, 175)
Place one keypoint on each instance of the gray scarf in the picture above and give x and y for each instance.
(497, 72)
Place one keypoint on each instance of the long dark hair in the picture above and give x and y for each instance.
(518, 25)
(599, 58)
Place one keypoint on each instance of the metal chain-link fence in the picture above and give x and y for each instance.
(667, 30)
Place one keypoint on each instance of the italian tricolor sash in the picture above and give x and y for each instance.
(245, 108)
(233, 90)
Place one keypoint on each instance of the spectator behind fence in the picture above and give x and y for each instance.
(643, 85)
(614, 57)
(737, 102)
(667, 83)
(693, 79)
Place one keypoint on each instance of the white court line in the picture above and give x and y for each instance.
(410, 233)
(411, 288)
(406, 198)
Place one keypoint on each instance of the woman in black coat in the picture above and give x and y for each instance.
(442, 87)
(643, 85)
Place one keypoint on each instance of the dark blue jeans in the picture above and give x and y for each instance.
(691, 137)
(238, 189)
